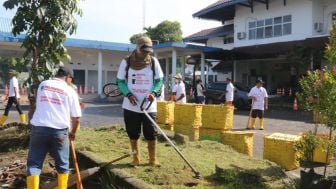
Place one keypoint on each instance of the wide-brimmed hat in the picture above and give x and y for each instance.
(65, 71)
(178, 76)
(13, 72)
(260, 81)
(145, 44)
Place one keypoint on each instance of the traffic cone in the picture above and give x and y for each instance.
(290, 92)
(85, 90)
(22, 91)
(283, 92)
(190, 92)
(92, 90)
(295, 105)
(80, 92)
(6, 89)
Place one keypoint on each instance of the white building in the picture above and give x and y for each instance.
(96, 63)
(268, 39)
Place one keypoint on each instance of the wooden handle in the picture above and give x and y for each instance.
(74, 158)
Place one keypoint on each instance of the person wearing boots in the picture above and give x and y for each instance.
(259, 104)
(13, 98)
(140, 76)
(57, 109)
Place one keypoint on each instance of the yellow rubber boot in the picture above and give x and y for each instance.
(253, 123)
(3, 119)
(23, 118)
(152, 153)
(262, 124)
(33, 182)
(62, 179)
(136, 156)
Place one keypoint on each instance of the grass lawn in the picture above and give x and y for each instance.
(219, 165)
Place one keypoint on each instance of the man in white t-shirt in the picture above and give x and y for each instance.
(57, 109)
(229, 92)
(13, 98)
(259, 104)
(179, 90)
(139, 77)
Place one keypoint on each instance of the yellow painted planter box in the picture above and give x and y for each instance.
(188, 114)
(191, 131)
(320, 153)
(167, 127)
(217, 117)
(165, 112)
(279, 148)
(242, 141)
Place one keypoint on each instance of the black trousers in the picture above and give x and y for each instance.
(257, 113)
(134, 121)
(12, 100)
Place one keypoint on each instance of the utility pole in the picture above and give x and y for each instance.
(143, 14)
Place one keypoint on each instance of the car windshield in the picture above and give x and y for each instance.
(241, 87)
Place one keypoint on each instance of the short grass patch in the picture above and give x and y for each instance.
(219, 165)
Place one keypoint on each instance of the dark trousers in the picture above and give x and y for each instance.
(12, 100)
(134, 121)
(257, 113)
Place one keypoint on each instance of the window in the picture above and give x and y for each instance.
(228, 40)
(333, 18)
(252, 30)
(271, 27)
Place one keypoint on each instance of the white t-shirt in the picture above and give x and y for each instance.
(56, 102)
(199, 89)
(229, 92)
(179, 89)
(140, 83)
(260, 94)
(14, 83)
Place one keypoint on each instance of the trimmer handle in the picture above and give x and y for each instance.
(149, 104)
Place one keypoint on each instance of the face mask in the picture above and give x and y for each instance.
(177, 81)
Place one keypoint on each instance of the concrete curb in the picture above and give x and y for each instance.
(120, 178)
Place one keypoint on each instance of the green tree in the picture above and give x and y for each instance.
(165, 31)
(319, 90)
(45, 24)
(16, 63)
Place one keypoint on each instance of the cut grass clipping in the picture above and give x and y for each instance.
(219, 165)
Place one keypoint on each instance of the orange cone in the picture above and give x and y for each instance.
(295, 105)
(80, 90)
(92, 90)
(290, 92)
(283, 92)
(85, 90)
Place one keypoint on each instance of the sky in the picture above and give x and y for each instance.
(118, 20)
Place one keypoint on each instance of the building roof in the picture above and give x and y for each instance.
(186, 46)
(220, 10)
(79, 43)
(204, 35)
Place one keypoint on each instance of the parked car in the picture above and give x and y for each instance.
(215, 89)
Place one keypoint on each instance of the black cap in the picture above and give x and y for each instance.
(259, 81)
(64, 71)
(228, 79)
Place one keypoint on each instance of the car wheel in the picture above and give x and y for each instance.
(239, 103)
(210, 101)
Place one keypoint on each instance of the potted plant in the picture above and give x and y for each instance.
(318, 93)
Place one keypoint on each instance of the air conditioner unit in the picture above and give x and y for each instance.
(241, 35)
(318, 26)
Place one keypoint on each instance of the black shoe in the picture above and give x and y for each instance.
(261, 129)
